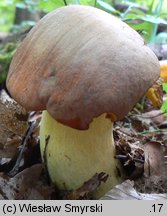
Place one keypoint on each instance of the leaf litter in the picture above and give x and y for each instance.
(12, 126)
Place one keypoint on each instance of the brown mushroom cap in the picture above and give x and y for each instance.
(79, 62)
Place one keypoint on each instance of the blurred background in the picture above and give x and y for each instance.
(141, 14)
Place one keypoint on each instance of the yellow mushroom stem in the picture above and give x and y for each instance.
(74, 156)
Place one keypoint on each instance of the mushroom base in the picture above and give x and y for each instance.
(75, 156)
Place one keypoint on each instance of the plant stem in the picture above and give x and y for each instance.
(65, 3)
(157, 13)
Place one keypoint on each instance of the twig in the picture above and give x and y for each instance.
(149, 117)
(150, 131)
(15, 169)
(125, 157)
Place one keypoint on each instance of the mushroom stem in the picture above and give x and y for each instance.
(74, 156)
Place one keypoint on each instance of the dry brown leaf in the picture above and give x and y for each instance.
(25, 185)
(154, 160)
(130, 152)
(13, 125)
(155, 169)
(152, 117)
(126, 191)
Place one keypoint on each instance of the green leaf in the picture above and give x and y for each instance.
(145, 27)
(164, 107)
(107, 7)
(150, 10)
(47, 6)
(152, 19)
(164, 85)
(136, 11)
(87, 2)
(163, 15)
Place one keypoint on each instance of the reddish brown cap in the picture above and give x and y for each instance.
(79, 62)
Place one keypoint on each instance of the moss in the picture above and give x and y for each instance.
(6, 53)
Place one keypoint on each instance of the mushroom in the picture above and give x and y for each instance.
(85, 69)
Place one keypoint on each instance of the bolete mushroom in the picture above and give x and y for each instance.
(86, 69)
